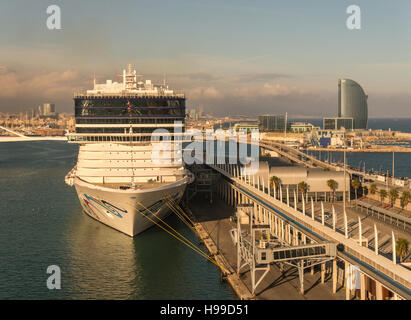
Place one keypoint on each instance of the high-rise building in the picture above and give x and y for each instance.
(271, 123)
(200, 111)
(49, 109)
(192, 114)
(352, 103)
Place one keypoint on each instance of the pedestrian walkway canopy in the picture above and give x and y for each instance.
(386, 215)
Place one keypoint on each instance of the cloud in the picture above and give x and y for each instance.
(271, 98)
(9, 83)
(267, 89)
(45, 84)
(247, 92)
(202, 76)
(197, 76)
(22, 90)
(199, 93)
(257, 77)
(220, 95)
(254, 105)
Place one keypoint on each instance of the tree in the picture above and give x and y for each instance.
(401, 248)
(332, 184)
(275, 181)
(356, 185)
(405, 199)
(383, 194)
(393, 196)
(373, 188)
(303, 187)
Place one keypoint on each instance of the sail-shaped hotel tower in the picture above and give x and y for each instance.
(352, 103)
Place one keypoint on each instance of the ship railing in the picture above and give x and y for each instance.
(106, 179)
(141, 138)
(85, 95)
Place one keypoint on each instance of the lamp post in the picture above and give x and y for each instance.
(393, 166)
(345, 180)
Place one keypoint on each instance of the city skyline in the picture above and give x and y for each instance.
(232, 57)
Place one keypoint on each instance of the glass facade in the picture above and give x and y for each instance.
(119, 107)
(123, 110)
(271, 123)
(338, 123)
(352, 103)
(119, 130)
(127, 120)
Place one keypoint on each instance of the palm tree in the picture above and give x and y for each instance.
(405, 199)
(393, 196)
(332, 184)
(275, 181)
(303, 187)
(402, 248)
(383, 194)
(356, 185)
(373, 188)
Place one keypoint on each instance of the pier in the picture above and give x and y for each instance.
(20, 137)
(365, 265)
(374, 149)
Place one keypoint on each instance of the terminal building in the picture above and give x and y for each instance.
(316, 179)
(338, 123)
(301, 127)
(247, 127)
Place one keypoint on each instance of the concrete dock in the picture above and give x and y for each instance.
(213, 225)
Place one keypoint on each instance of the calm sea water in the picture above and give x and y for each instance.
(398, 124)
(381, 162)
(42, 224)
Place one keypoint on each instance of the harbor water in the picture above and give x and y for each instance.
(42, 224)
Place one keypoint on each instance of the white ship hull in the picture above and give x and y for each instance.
(125, 210)
(121, 186)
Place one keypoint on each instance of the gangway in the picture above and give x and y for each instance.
(309, 251)
(260, 254)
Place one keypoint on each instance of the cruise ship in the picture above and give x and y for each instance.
(123, 176)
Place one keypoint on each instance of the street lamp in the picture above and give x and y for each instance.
(345, 179)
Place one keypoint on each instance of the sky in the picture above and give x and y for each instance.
(233, 57)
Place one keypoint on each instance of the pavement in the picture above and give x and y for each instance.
(276, 285)
(367, 222)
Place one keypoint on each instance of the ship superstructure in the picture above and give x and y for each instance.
(120, 177)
